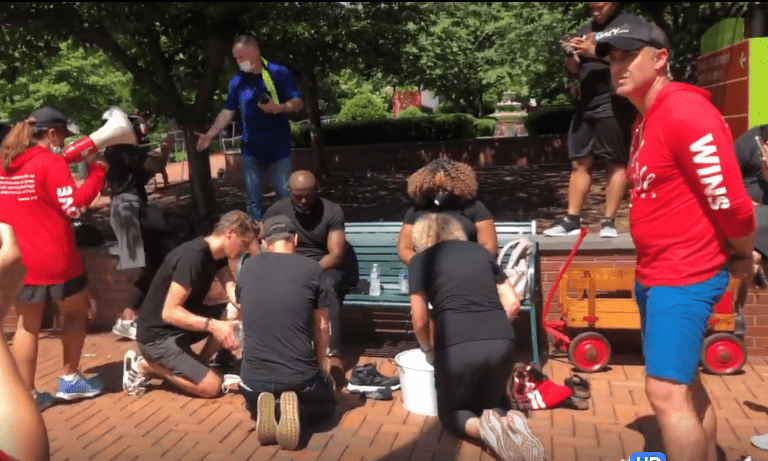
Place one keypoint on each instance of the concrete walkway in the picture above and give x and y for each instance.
(163, 424)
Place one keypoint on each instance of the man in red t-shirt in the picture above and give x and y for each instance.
(689, 213)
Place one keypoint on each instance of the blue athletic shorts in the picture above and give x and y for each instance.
(673, 321)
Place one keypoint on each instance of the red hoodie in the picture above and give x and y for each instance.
(687, 195)
(37, 198)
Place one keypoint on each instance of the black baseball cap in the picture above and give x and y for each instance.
(279, 227)
(631, 35)
(49, 117)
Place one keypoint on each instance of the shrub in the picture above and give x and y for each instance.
(399, 130)
(549, 120)
(411, 112)
(363, 106)
(485, 126)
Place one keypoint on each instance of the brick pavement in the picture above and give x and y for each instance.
(163, 424)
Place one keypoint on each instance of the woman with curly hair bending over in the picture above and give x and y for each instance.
(447, 186)
(473, 346)
(38, 197)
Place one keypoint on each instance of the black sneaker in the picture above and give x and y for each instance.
(366, 378)
(224, 359)
(566, 226)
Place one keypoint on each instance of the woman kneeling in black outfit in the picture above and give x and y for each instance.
(474, 343)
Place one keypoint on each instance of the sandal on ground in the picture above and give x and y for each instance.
(579, 385)
(575, 403)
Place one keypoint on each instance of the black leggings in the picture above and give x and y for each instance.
(471, 377)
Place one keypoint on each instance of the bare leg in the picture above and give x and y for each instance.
(74, 309)
(682, 431)
(706, 414)
(210, 347)
(578, 185)
(208, 388)
(615, 188)
(25, 340)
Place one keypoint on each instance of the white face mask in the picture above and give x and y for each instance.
(245, 66)
(57, 150)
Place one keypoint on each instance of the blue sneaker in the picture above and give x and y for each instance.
(43, 400)
(79, 388)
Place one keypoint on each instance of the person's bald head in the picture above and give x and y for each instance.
(303, 188)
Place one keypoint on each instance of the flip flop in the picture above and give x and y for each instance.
(579, 385)
(575, 403)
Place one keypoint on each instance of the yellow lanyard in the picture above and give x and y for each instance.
(268, 82)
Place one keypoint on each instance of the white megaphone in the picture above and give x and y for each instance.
(117, 130)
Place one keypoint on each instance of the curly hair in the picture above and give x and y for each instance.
(433, 228)
(458, 179)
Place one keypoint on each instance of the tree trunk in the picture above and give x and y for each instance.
(315, 132)
(200, 175)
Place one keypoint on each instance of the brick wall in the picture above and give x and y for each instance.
(755, 307)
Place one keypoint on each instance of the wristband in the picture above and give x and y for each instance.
(207, 321)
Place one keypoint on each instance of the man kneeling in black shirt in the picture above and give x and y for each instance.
(173, 316)
(284, 303)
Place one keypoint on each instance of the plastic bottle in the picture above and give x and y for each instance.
(375, 289)
(402, 278)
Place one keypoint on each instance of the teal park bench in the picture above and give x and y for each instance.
(376, 242)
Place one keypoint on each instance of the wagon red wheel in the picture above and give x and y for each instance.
(589, 352)
(723, 354)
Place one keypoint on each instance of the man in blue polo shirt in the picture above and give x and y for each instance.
(263, 92)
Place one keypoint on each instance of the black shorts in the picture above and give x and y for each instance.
(607, 138)
(33, 294)
(174, 353)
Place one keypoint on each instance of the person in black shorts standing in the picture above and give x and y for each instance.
(600, 127)
(284, 300)
(173, 316)
(320, 227)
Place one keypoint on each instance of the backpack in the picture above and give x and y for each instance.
(518, 255)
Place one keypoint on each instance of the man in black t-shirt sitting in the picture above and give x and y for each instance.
(320, 228)
(173, 316)
(284, 301)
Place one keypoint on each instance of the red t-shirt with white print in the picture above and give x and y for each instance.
(38, 196)
(687, 195)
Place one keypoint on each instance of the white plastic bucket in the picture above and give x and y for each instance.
(417, 382)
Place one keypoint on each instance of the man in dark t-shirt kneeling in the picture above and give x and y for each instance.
(173, 316)
(284, 304)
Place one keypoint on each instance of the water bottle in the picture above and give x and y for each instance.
(402, 278)
(238, 330)
(375, 289)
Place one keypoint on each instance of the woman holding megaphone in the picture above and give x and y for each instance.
(38, 196)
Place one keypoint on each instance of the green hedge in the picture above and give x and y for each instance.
(485, 126)
(399, 130)
(549, 120)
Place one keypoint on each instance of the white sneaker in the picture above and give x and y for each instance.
(230, 383)
(505, 444)
(133, 382)
(760, 441)
(530, 445)
(125, 328)
(564, 226)
(608, 229)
